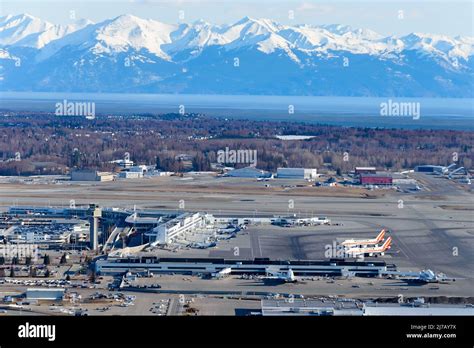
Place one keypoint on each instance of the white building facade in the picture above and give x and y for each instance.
(167, 232)
(297, 173)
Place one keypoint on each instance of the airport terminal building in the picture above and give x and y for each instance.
(167, 232)
(337, 267)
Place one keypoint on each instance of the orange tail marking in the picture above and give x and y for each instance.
(387, 243)
(381, 235)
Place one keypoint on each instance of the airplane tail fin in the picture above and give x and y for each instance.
(387, 244)
(380, 236)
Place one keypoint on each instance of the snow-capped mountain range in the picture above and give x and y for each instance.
(252, 56)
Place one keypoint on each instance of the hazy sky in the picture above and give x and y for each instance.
(449, 17)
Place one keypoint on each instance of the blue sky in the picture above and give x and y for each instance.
(448, 17)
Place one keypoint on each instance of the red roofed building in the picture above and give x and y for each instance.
(376, 179)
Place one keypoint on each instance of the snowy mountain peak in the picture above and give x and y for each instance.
(165, 56)
(19, 27)
(128, 31)
(19, 18)
(25, 30)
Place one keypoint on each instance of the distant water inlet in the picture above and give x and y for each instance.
(434, 113)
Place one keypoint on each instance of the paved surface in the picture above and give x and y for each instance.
(433, 228)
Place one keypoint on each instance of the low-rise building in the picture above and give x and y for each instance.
(45, 232)
(248, 172)
(303, 307)
(365, 170)
(130, 175)
(91, 175)
(428, 168)
(350, 307)
(161, 173)
(296, 173)
(44, 294)
(409, 309)
(139, 169)
(376, 179)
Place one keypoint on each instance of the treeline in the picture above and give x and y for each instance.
(48, 144)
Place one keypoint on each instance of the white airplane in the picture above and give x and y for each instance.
(350, 243)
(370, 251)
(426, 276)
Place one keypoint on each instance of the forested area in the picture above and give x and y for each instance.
(48, 144)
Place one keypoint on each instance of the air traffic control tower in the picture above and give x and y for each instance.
(94, 214)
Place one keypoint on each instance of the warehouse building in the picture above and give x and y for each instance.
(384, 179)
(130, 175)
(350, 307)
(416, 310)
(136, 172)
(303, 307)
(430, 169)
(296, 173)
(140, 169)
(91, 175)
(248, 172)
(365, 170)
(44, 294)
